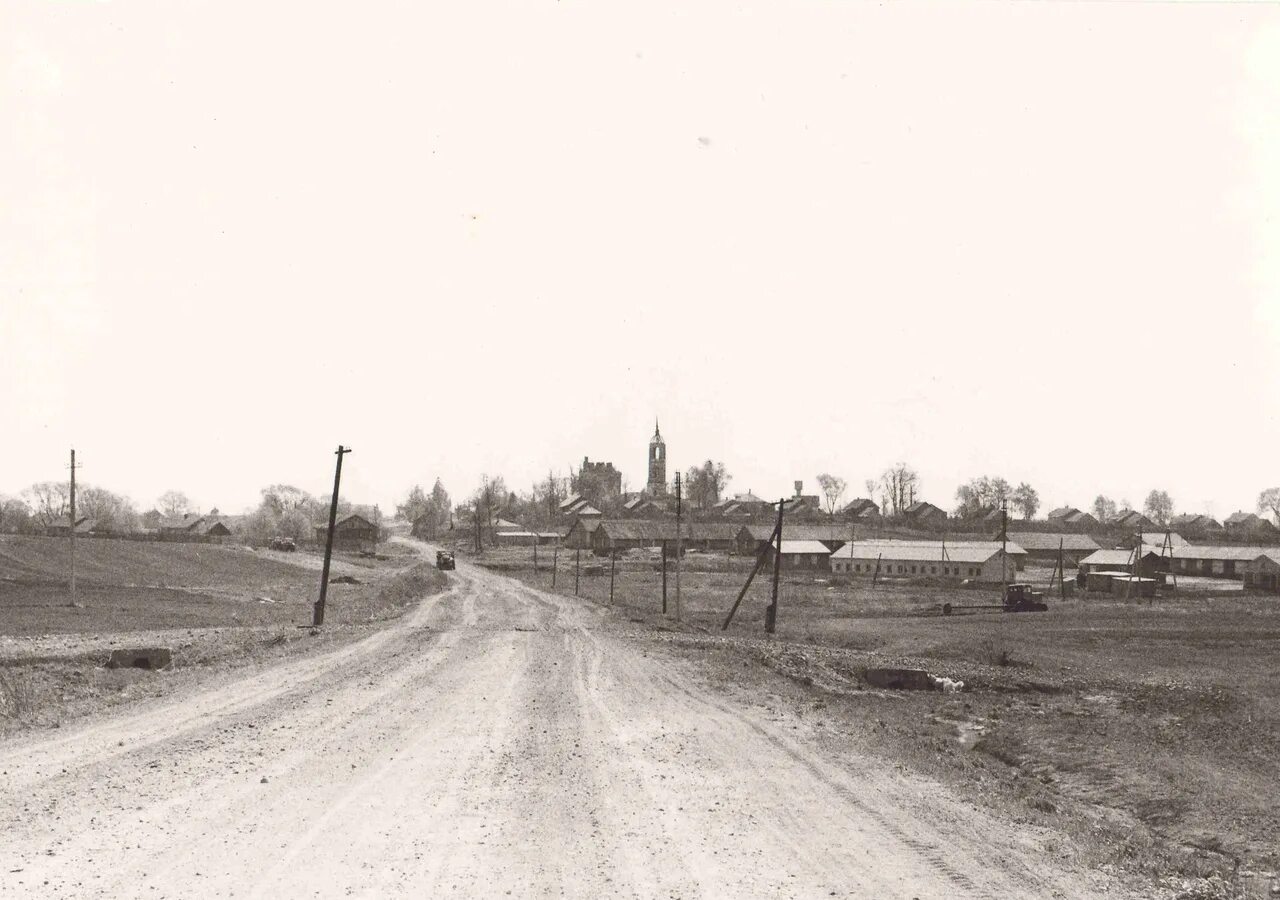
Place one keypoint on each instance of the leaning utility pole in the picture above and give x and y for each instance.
(317, 617)
(679, 546)
(72, 532)
(771, 612)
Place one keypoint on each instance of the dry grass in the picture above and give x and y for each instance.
(51, 654)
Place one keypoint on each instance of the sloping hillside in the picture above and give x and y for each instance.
(142, 563)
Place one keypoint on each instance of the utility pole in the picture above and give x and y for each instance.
(555, 560)
(72, 532)
(1004, 549)
(317, 618)
(577, 564)
(679, 547)
(771, 613)
(664, 578)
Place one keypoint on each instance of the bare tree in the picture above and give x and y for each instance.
(900, 483)
(1159, 507)
(48, 501)
(1104, 509)
(15, 515)
(832, 489)
(174, 503)
(1269, 502)
(704, 484)
(110, 511)
(1026, 500)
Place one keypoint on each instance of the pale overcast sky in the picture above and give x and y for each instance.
(1037, 240)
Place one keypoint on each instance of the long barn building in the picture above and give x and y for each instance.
(971, 560)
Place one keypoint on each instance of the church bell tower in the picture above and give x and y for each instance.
(657, 486)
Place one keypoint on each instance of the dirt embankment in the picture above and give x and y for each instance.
(51, 677)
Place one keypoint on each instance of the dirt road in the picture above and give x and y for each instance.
(496, 741)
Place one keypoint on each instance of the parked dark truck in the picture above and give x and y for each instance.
(444, 560)
(1021, 598)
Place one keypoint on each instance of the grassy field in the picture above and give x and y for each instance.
(138, 585)
(1148, 730)
(214, 606)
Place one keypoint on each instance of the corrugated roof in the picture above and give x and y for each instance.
(762, 532)
(1237, 552)
(1037, 541)
(639, 530)
(926, 551)
(179, 523)
(1156, 539)
(933, 549)
(790, 548)
(1115, 557)
(921, 551)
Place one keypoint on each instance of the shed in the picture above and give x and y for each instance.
(615, 536)
(712, 536)
(1126, 585)
(1150, 563)
(1263, 572)
(810, 556)
(524, 538)
(578, 535)
(1224, 560)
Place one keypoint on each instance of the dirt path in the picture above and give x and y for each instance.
(496, 741)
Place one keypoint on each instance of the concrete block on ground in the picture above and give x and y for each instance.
(150, 658)
(900, 679)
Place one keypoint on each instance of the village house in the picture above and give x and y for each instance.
(802, 506)
(1243, 524)
(61, 527)
(178, 526)
(1195, 523)
(350, 532)
(973, 561)
(1068, 517)
(642, 507)
(744, 506)
(924, 514)
(1132, 519)
(860, 510)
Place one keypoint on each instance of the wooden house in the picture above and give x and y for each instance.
(350, 532)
